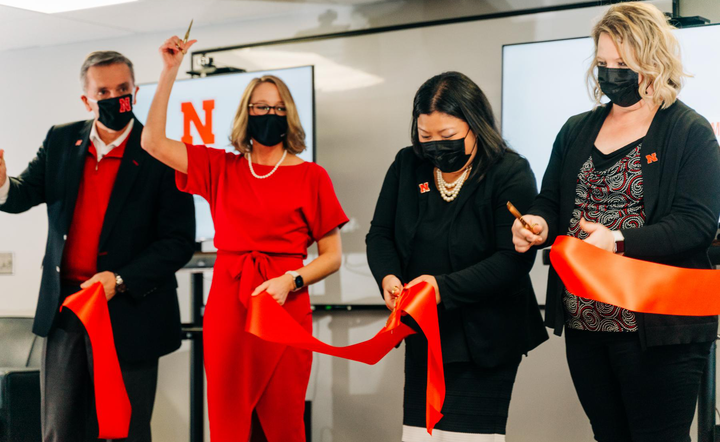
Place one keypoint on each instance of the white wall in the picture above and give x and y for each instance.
(709, 9)
(39, 87)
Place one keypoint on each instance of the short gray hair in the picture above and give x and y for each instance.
(103, 58)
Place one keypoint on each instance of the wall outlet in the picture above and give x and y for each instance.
(6, 263)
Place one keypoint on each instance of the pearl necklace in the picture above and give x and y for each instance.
(450, 191)
(262, 177)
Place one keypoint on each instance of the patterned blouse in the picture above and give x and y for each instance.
(610, 192)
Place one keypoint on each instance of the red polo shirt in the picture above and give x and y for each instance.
(81, 249)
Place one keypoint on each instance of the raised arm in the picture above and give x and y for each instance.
(154, 140)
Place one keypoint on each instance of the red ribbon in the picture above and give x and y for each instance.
(111, 400)
(267, 320)
(632, 284)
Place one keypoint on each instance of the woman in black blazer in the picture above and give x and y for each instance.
(637, 176)
(455, 237)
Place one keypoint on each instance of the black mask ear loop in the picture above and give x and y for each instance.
(476, 141)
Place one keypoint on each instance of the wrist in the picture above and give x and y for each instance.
(169, 73)
(619, 238)
(297, 280)
(291, 281)
(120, 286)
(386, 280)
(4, 191)
(168, 69)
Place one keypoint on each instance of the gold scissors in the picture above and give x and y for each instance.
(519, 217)
(396, 291)
(187, 35)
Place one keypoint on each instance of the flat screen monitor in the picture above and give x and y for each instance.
(201, 111)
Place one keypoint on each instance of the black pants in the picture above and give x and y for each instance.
(68, 401)
(636, 395)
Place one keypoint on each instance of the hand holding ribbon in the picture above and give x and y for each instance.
(599, 235)
(429, 279)
(111, 400)
(267, 320)
(633, 284)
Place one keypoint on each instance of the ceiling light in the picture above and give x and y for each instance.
(55, 6)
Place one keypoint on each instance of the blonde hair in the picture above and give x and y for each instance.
(645, 41)
(294, 140)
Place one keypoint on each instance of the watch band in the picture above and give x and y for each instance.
(119, 284)
(619, 241)
(297, 280)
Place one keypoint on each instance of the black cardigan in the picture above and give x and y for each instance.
(682, 204)
(490, 281)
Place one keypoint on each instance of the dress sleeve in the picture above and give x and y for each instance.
(205, 166)
(324, 212)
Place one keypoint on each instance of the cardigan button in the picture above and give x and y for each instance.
(58, 269)
(64, 237)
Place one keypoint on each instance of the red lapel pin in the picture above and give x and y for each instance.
(424, 187)
(652, 158)
(78, 142)
(136, 163)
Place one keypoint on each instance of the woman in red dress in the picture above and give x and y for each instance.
(268, 206)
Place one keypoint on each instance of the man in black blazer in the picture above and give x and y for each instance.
(115, 216)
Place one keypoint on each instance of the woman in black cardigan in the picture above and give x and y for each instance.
(455, 237)
(639, 176)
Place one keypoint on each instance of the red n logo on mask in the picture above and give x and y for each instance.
(191, 116)
(125, 105)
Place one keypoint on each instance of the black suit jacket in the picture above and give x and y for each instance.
(148, 234)
(681, 192)
(489, 283)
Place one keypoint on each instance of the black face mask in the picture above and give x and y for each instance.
(116, 113)
(446, 155)
(267, 130)
(620, 85)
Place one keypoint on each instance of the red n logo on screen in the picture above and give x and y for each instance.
(205, 130)
(125, 105)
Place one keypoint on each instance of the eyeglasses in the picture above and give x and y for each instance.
(264, 109)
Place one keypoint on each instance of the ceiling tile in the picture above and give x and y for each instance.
(8, 14)
(48, 30)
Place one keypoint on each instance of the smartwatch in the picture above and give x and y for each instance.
(297, 280)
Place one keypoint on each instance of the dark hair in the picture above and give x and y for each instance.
(455, 94)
